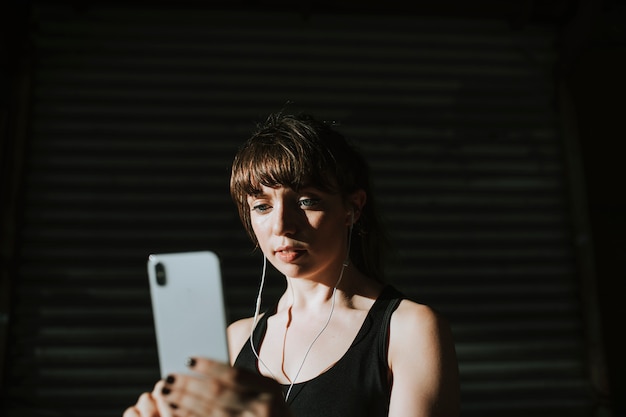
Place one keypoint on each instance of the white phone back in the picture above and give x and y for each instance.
(188, 308)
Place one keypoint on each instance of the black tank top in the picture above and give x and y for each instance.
(359, 384)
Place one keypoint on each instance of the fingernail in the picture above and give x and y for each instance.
(174, 406)
(170, 379)
(165, 391)
(191, 362)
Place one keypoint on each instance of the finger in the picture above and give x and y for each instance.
(131, 412)
(145, 407)
(243, 379)
(187, 394)
(163, 404)
(207, 366)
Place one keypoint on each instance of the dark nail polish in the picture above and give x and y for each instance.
(170, 379)
(174, 406)
(165, 391)
(191, 362)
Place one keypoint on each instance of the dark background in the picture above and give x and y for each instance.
(45, 366)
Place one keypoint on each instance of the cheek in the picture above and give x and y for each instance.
(256, 228)
(327, 224)
(261, 226)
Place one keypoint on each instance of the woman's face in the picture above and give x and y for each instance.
(303, 234)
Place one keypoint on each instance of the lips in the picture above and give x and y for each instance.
(288, 254)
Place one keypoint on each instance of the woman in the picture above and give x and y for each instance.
(339, 341)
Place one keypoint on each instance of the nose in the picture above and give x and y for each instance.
(285, 220)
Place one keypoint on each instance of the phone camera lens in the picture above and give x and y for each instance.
(160, 274)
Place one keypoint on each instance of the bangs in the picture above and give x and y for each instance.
(277, 163)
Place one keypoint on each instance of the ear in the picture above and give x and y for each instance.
(355, 202)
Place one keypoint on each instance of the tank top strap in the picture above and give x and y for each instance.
(390, 299)
(261, 327)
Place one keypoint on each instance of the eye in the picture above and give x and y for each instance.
(261, 208)
(308, 202)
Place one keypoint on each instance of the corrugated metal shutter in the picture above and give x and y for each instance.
(136, 116)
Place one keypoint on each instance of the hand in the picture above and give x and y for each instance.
(150, 404)
(213, 389)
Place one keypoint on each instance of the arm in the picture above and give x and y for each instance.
(423, 363)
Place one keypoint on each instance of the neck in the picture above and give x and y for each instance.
(303, 294)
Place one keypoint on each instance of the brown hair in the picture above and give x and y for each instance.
(296, 151)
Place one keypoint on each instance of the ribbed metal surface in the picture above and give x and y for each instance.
(137, 114)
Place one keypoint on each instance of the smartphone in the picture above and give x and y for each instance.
(188, 308)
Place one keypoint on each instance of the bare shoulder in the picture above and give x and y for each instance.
(419, 327)
(422, 359)
(238, 332)
(416, 319)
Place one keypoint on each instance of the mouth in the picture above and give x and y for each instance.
(288, 254)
